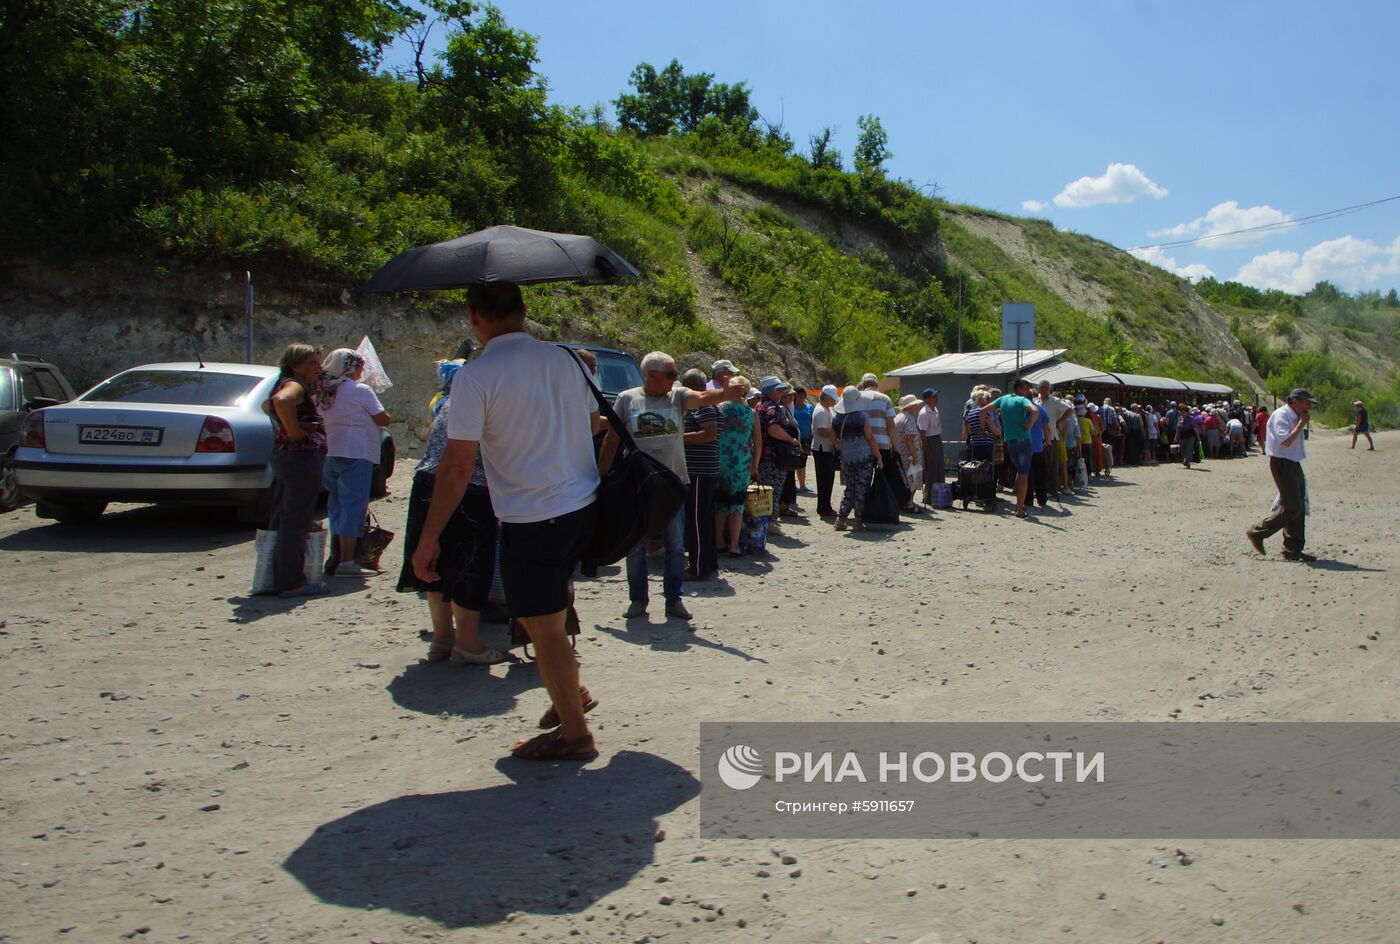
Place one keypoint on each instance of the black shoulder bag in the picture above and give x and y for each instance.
(637, 498)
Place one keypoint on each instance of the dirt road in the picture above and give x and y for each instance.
(181, 763)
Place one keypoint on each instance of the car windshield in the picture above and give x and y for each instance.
(617, 372)
(175, 387)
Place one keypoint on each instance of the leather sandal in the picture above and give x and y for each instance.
(550, 719)
(551, 745)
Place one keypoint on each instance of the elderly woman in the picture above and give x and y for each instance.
(739, 444)
(907, 445)
(977, 428)
(353, 415)
(778, 427)
(468, 549)
(860, 454)
(297, 461)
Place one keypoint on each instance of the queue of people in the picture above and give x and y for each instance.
(493, 508)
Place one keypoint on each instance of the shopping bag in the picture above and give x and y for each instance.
(265, 549)
(370, 548)
(881, 504)
(753, 536)
(374, 376)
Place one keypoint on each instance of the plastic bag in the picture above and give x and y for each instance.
(881, 503)
(374, 376)
(265, 547)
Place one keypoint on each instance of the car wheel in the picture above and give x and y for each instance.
(10, 498)
(71, 512)
(379, 482)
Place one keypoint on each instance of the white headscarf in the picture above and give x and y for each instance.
(335, 370)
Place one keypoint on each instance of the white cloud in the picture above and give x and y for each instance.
(1349, 263)
(1034, 206)
(1227, 217)
(1121, 183)
(1155, 256)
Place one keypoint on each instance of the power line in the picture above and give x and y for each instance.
(1280, 224)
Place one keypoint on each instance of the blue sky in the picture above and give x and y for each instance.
(1135, 122)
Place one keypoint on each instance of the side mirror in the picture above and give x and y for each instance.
(38, 403)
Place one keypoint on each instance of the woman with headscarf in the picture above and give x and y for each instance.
(353, 416)
(739, 441)
(467, 554)
(297, 460)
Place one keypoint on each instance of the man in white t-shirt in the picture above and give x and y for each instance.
(1056, 411)
(931, 436)
(528, 407)
(654, 414)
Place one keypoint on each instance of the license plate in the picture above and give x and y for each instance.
(121, 435)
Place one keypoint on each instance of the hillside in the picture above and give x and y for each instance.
(179, 162)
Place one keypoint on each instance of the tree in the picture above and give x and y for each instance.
(672, 101)
(871, 146)
(1391, 299)
(821, 154)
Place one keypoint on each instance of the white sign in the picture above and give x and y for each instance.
(1017, 326)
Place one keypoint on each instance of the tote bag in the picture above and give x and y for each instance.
(639, 496)
(265, 547)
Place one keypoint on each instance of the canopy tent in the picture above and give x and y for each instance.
(1147, 382)
(975, 363)
(1065, 373)
(1215, 390)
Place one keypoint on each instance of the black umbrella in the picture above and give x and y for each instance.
(501, 254)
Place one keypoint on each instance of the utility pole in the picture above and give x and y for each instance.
(960, 307)
(248, 315)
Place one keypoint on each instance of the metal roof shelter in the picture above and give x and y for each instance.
(1063, 373)
(976, 363)
(1213, 389)
(954, 376)
(1147, 382)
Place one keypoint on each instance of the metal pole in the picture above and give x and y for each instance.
(960, 307)
(248, 314)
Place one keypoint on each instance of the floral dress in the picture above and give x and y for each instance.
(735, 457)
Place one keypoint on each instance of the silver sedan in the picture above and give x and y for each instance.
(182, 432)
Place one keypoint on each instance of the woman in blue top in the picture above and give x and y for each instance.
(860, 456)
(801, 411)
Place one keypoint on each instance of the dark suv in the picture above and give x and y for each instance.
(27, 383)
(617, 370)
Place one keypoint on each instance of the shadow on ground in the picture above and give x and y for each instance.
(553, 842)
(466, 691)
(135, 529)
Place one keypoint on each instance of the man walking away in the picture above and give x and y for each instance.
(824, 455)
(1362, 427)
(528, 408)
(1286, 455)
(1018, 415)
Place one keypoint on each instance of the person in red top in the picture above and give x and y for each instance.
(1261, 422)
(1211, 425)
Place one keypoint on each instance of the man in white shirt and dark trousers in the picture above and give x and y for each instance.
(528, 408)
(1286, 454)
(931, 438)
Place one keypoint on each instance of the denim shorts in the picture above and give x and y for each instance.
(347, 484)
(1019, 452)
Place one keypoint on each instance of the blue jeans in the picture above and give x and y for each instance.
(347, 484)
(673, 537)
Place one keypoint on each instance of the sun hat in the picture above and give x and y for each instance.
(908, 400)
(752, 393)
(1358, 403)
(928, 392)
(869, 378)
(1093, 408)
(1300, 393)
(770, 383)
(718, 366)
(852, 401)
(830, 391)
(1080, 398)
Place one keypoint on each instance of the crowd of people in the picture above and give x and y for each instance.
(504, 497)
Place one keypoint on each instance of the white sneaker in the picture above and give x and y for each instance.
(353, 569)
